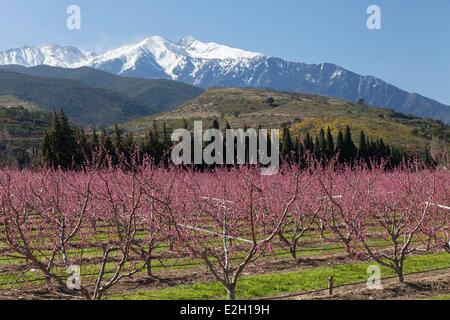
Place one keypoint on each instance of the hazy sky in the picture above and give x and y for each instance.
(412, 51)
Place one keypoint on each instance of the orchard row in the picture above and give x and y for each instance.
(228, 218)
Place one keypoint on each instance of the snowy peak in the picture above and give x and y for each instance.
(187, 46)
(211, 50)
(166, 58)
(52, 55)
(155, 51)
(186, 41)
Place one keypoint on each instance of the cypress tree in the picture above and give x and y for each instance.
(330, 144)
(322, 145)
(84, 154)
(287, 147)
(166, 138)
(349, 150)
(340, 146)
(227, 127)
(215, 124)
(152, 146)
(363, 150)
(316, 147)
(309, 144)
(48, 154)
(94, 143)
(59, 148)
(301, 155)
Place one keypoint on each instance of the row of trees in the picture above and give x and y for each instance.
(68, 148)
(228, 218)
(325, 147)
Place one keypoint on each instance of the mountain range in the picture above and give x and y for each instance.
(214, 65)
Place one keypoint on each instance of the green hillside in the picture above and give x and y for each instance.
(155, 95)
(22, 126)
(85, 105)
(251, 108)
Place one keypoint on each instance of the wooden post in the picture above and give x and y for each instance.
(330, 285)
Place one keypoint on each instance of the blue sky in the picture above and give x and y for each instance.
(412, 50)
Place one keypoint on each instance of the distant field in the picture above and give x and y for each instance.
(15, 102)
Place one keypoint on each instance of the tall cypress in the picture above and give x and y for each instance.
(152, 146)
(330, 144)
(349, 152)
(287, 147)
(323, 146)
(215, 124)
(363, 150)
(317, 150)
(119, 149)
(309, 144)
(340, 146)
(84, 154)
(59, 148)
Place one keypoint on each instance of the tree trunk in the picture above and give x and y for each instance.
(399, 271)
(148, 266)
(148, 261)
(321, 230)
(293, 251)
(231, 291)
(447, 247)
(401, 278)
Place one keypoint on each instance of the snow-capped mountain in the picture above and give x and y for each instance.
(212, 64)
(52, 55)
(156, 57)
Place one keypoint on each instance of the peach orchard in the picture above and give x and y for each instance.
(228, 218)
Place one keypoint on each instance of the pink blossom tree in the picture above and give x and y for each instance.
(342, 198)
(42, 214)
(394, 210)
(303, 214)
(229, 218)
(117, 203)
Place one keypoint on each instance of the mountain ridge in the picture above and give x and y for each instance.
(213, 65)
(145, 91)
(117, 99)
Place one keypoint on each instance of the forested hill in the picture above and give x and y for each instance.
(92, 98)
(303, 113)
(156, 95)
